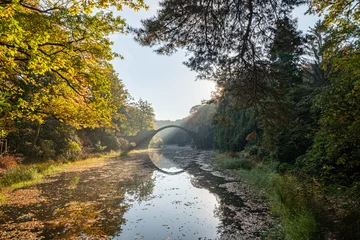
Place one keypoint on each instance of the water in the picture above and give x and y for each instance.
(172, 193)
(175, 209)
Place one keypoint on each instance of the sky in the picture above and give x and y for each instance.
(165, 81)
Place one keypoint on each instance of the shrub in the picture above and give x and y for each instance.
(19, 174)
(72, 151)
(8, 161)
(124, 146)
(235, 163)
(111, 142)
(47, 149)
(98, 147)
(253, 150)
(262, 152)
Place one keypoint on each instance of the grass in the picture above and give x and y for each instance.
(74, 182)
(20, 176)
(290, 199)
(25, 175)
(3, 199)
(234, 163)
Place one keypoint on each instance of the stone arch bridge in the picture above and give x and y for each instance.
(143, 138)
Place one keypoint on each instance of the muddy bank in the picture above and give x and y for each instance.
(129, 198)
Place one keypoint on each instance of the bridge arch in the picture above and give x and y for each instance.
(143, 138)
(191, 134)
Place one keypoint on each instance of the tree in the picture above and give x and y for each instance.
(138, 116)
(55, 59)
(316, 42)
(285, 52)
(335, 152)
(342, 18)
(146, 117)
(227, 40)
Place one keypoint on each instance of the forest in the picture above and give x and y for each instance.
(285, 115)
(287, 102)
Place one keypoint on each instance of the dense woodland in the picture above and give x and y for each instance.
(59, 95)
(285, 98)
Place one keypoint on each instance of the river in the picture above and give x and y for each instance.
(168, 193)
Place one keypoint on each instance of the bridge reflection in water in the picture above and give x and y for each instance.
(160, 163)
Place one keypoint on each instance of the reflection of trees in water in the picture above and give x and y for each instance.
(165, 159)
(95, 207)
(154, 155)
(138, 187)
(103, 217)
(229, 203)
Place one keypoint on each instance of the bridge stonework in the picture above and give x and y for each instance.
(143, 138)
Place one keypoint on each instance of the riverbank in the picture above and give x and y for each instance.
(306, 209)
(127, 197)
(23, 175)
(69, 199)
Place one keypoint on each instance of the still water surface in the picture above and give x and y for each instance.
(169, 193)
(177, 208)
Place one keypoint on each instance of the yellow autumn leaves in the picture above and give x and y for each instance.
(54, 60)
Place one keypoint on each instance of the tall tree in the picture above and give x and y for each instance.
(146, 116)
(285, 52)
(315, 69)
(138, 116)
(335, 153)
(227, 40)
(54, 59)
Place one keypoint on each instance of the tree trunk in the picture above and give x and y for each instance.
(33, 145)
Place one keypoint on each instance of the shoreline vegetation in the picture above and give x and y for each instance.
(305, 208)
(24, 175)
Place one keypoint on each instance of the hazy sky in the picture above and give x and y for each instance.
(163, 80)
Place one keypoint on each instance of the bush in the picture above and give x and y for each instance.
(262, 152)
(235, 163)
(111, 142)
(253, 150)
(8, 161)
(124, 146)
(47, 150)
(98, 147)
(19, 174)
(72, 151)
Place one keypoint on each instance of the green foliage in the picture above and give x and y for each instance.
(232, 127)
(334, 156)
(111, 142)
(19, 174)
(138, 116)
(349, 222)
(234, 163)
(285, 52)
(47, 149)
(290, 139)
(74, 181)
(3, 199)
(60, 72)
(72, 151)
(99, 147)
(298, 204)
(124, 146)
